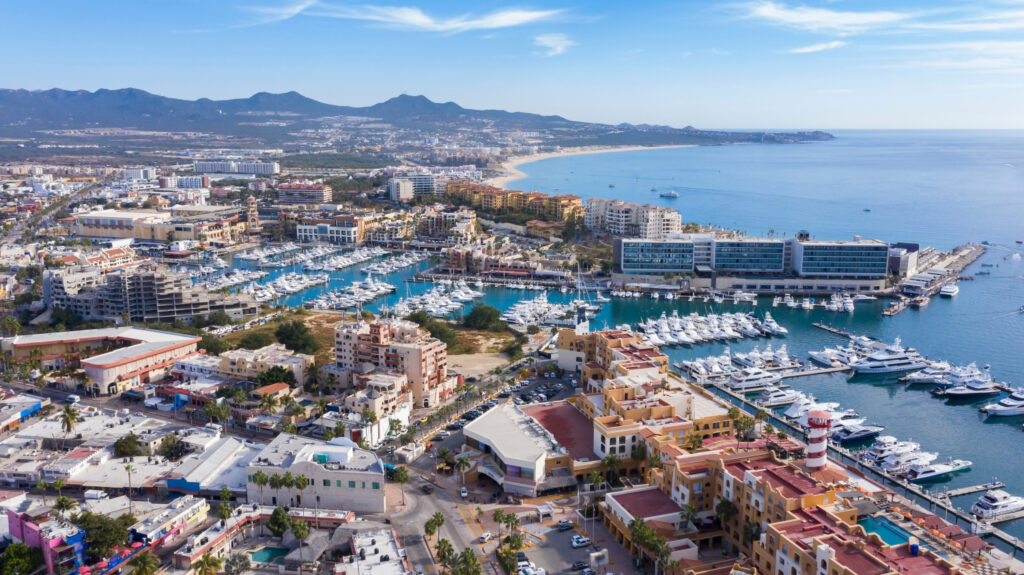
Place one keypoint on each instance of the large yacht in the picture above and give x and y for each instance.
(928, 471)
(887, 445)
(996, 502)
(752, 378)
(856, 432)
(805, 404)
(1013, 404)
(776, 396)
(949, 290)
(893, 359)
(935, 374)
(969, 390)
(900, 462)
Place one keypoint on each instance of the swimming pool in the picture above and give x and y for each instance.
(890, 533)
(268, 554)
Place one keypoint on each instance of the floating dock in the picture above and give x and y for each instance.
(972, 489)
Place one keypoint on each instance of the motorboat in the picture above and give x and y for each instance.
(893, 358)
(899, 463)
(920, 301)
(750, 378)
(776, 396)
(928, 471)
(975, 387)
(949, 290)
(887, 445)
(856, 432)
(996, 502)
(807, 403)
(839, 418)
(669, 194)
(935, 374)
(1012, 404)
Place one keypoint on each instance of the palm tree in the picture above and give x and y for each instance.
(462, 465)
(63, 505)
(694, 442)
(207, 564)
(611, 463)
(438, 519)
(321, 407)
(41, 487)
(734, 414)
(58, 485)
(145, 563)
(212, 411)
(260, 479)
(445, 552)
(499, 518)
(401, 477)
(301, 483)
(724, 511)
(689, 515)
(594, 478)
(394, 427)
(35, 357)
(275, 484)
(69, 418)
(268, 403)
(128, 469)
(300, 529)
(512, 522)
(370, 417)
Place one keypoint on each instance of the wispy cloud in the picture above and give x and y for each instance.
(833, 91)
(416, 19)
(817, 47)
(553, 44)
(977, 56)
(280, 13)
(822, 19)
(987, 21)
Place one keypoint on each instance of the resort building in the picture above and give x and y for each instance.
(629, 219)
(245, 364)
(303, 193)
(340, 475)
(140, 355)
(342, 229)
(398, 346)
(499, 200)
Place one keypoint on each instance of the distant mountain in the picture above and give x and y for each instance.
(270, 116)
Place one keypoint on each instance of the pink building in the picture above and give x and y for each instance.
(63, 544)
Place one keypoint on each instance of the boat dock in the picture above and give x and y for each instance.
(834, 330)
(814, 371)
(972, 489)
(895, 306)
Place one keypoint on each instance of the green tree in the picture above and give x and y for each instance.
(512, 522)
(467, 563)
(725, 511)
(499, 518)
(401, 477)
(255, 340)
(300, 529)
(689, 515)
(128, 446)
(508, 561)
(638, 453)
(268, 403)
(224, 511)
(279, 523)
(295, 335)
(694, 442)
(594, 478)
(128, 469)
(483, 316)
(751, 532)
(63, 505)
(41, 486)
(237, 564)
(611, 463)
(213, 345)
(20, 559)
(69, 418)
(207, 564)
(145, 563)
(59, 485)
(462, 465)
(102, 533)
(276, 374)
(445, 553)
(9, 325)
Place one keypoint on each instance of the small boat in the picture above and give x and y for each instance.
(611, 185)
(1020, 241)
(949, 290)
(929, 471)
(867, 209)
(920, 301)
(669, 194)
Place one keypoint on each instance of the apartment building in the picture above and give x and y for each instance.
(341, 229)
(381, 392)
(304, 193)
(340, 475)
(401, 190)
(235, 167)
(397, 346)
(629, 219)
(446, 225)
(498, 200)
(184, 182)
(246, 364)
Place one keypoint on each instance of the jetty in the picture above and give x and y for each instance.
(972, 489)
(815, 371)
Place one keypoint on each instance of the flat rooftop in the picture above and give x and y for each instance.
(340, 454)
(645, 502)
(142, 342)
(568, 425)
(513, 433)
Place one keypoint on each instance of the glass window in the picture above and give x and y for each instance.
(351, 484)
(327, 482)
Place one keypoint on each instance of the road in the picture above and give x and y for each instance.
(16, 232)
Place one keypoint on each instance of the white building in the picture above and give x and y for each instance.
(401, 189)
(630, 219)
(340, 475)
(235, 167)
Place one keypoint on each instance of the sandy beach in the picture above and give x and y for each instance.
(512, 173)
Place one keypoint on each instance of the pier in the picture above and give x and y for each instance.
(972, 489)
(814, 371)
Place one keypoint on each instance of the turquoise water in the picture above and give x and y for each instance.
(268, 554)
(970, 189)
(890, 533)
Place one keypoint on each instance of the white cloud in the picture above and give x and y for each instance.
(817, 47)
(996, 21)
(554, 44)
(271, 14)
(417, 19)
(822, 19)
(999, 56)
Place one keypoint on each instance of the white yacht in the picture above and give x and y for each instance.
(996, 502)
(752, 378)
(893, 359)
(887, 445)
(900, 462)
(970, 389)
(935, 374)
(1013, 404)
(929, 471)
(806, 403)
(775, 396)
(949, 290)
(854, 433)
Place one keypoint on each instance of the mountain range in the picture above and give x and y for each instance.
(269, 116)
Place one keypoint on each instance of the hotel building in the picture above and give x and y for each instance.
(629, 219)
(306, 193)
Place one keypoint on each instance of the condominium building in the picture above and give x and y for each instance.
(397, 346)
(306, 193)
(861, 259)
(343, 229)
(446, 225)
(145, 173)
(235, 167)
(381, 392)
(184, 182)
(629, 219)
(340, 475)
(499, 200)
(204, 225)
(421, 183)
(401, 190)
(246, 364)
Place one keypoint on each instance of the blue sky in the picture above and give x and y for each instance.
(827, 64)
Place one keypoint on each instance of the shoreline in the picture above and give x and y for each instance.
(512, 173)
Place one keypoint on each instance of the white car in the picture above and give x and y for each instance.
(485, 537)
(579, 541)
(464, 493)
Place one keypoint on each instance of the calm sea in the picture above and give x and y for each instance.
(937, 188)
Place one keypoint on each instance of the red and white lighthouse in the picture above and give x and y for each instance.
(817, 440)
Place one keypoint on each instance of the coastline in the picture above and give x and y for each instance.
(512, 173)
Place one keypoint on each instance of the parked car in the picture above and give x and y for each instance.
(72, 399)
(588, 571)
(454, 425)
(565, 526)
(427, 488)
(578, 541)
(485, 537)
(579, 565)
(465, 494)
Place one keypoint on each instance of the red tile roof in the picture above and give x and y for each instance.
(571, 429)
(645, 502)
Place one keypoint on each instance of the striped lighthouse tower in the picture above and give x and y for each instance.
(817, 440)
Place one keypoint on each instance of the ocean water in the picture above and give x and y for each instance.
(940, 189)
